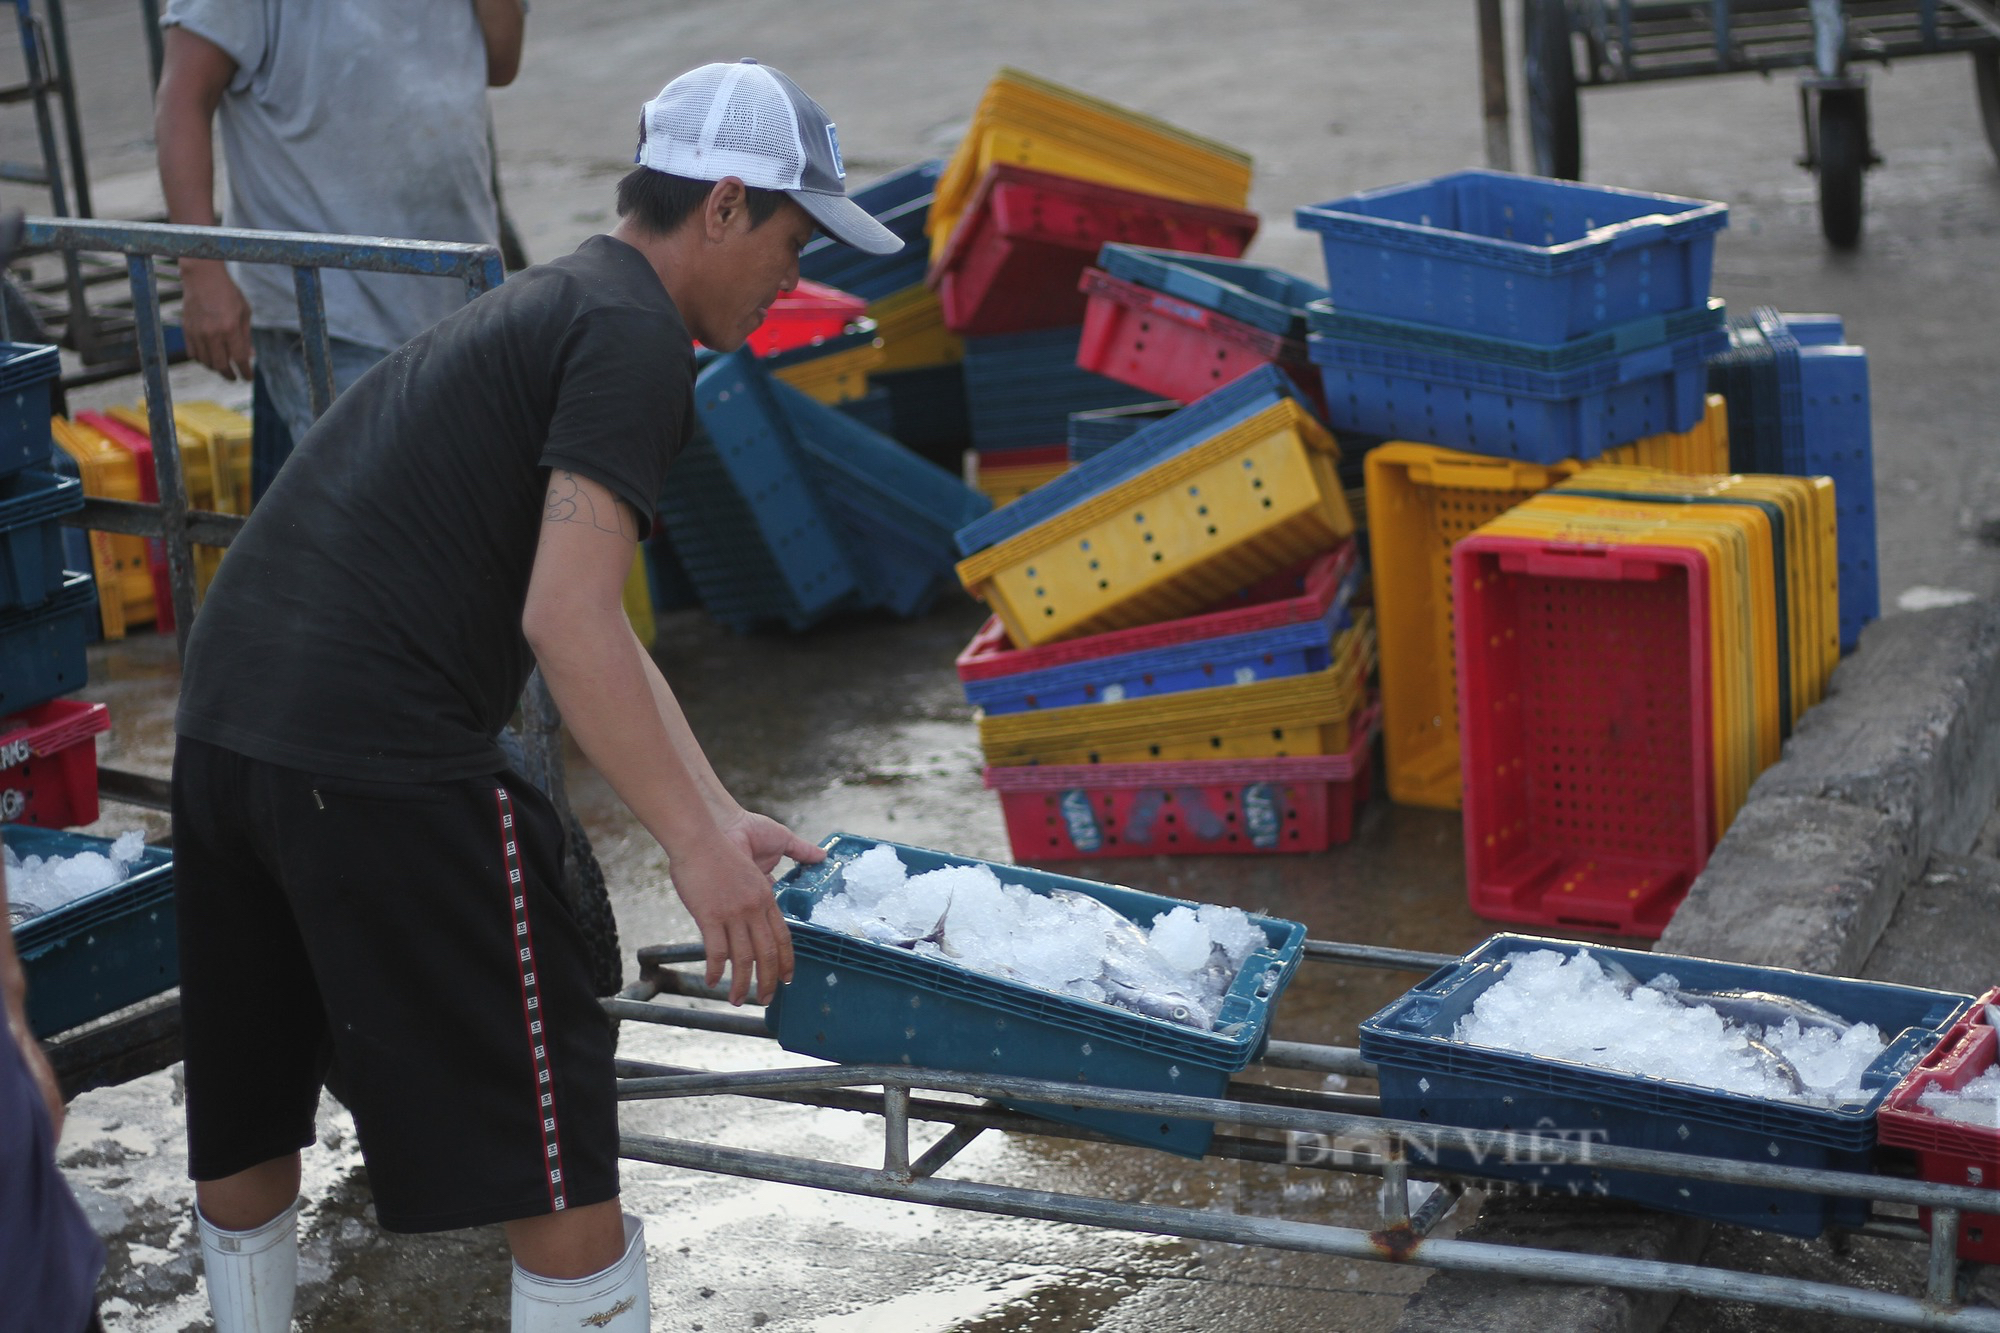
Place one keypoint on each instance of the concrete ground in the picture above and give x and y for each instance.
(859, 726)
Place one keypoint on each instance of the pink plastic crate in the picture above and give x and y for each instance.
(1175, 348)
(48, 764)
(1583, 702)
(805, 315)
(1012, 262)
(1950, 1153)
(1214, 806)
(1283, 599)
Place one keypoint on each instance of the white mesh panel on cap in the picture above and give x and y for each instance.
(725, 120)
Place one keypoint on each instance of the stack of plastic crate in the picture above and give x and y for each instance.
(1044, 178)
(784, 509)
(1420, 499)
(1798, 404)
(1175, 663)
(48, 761)
(1521, 318)
(1961, 1150)
(1632, 647)
(916, 392)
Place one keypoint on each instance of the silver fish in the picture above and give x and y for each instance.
(1777, 1064)
(1170, 1006)
(1764, 1009)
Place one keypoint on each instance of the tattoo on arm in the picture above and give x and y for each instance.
(568, 502)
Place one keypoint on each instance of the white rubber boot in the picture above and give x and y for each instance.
(613, 1301)
(251, 1275)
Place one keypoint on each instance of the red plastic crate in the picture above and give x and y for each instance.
(1288, 598)
(806, 315)
(1034, 455)
(1012, 262)
(140, 445)
(1950, 1153)
(1584, 708)
(1175, 348)
(1075, 812)
(48, 764)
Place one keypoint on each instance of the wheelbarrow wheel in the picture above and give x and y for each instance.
(1554, 122)
(1986, 73)
(1843, 159)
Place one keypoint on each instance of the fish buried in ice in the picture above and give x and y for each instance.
(1177, 971)
(1593, 1011)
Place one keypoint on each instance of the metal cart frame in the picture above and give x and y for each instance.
(1396, 1152)
(1569, 45)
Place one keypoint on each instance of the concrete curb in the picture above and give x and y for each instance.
(1899, 762)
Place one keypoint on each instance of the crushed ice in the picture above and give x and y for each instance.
(1757, 1044)
(39, 884)
(1064, 942)
(1977, 1103)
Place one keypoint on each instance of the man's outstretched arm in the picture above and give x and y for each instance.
(625, 719)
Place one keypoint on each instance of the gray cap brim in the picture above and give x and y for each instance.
(848, 222)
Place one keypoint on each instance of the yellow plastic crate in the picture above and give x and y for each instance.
(910, 324)
(836, 377)
(1004, 485)
(1420, 499)
(1811, 566)
(1733, 725)
(225, 434)
(1291, 715)
(204, 457)
(118, 562)
(1705, 449)
(1033, 122)
(637, 598)
(1175, 539)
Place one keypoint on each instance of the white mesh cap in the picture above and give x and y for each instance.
(749, 121)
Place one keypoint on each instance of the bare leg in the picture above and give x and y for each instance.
(571, 1244)
(250, 1198)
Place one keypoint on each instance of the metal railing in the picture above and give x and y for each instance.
(172, 520)
(1403, 1150)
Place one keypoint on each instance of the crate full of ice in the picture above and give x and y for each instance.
(93, 922)
(1947, 1112)
(922, 958)
(1644, 1050)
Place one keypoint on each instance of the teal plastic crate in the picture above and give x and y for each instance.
(42, 647)
(94, 956)
(857, 1002)
(1426, 1076)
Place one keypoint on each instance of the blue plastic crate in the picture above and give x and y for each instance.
(1541, 261)
(900, 201)
(1426, 1076)
(1508, 412)
(857, 1002)
(874, 409)
(1201, 420)
(32, 503)
(42, 647)
(927, 407)
(93, 956)
(1091, 433)
(666, 578)
(1021, 387)
(1746, 377)
(1632, 336)
(1261, 296)
(897, 511)
(1240, 659)
(26, 370)
(1839, 443)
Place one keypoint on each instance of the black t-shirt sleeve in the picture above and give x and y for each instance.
(623, 400)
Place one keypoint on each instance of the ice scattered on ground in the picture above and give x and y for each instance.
(1977, 1103)
(1921, 598)
(1574, 1009)
(37, 884)
(1064, 942)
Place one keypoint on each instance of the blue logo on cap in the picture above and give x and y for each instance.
(833, 142)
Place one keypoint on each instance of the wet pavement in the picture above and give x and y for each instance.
(860, 727)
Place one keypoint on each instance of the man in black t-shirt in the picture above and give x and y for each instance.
(360, 878)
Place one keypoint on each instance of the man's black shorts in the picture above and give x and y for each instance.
(412, 935)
